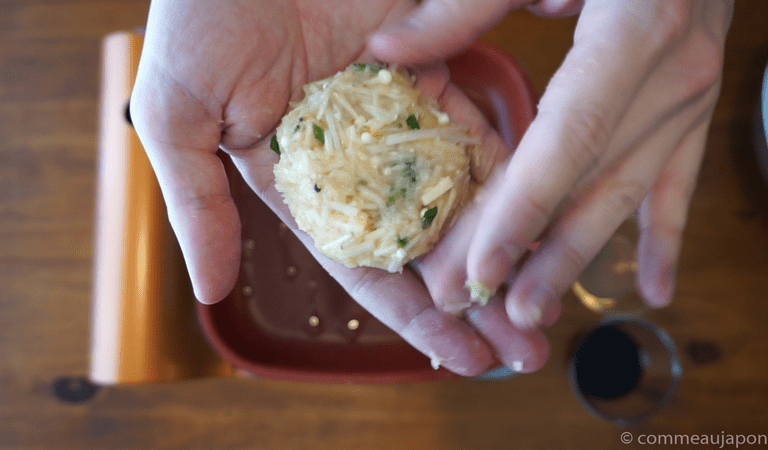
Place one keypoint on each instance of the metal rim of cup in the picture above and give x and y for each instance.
(761, 149)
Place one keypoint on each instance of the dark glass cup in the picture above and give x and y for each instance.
(624, 370)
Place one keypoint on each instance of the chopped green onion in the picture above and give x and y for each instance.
(412, 122)
(429, 216)
(274, 145)
(395, 195)
(372, 67)
(402, 242)
(319, 134)
(363, 183)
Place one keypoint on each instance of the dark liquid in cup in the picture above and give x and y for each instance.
(608, 363)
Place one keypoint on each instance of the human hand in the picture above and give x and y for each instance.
(220, 75)
(622, 125)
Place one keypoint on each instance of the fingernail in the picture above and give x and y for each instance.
(493, 270)
(457, 309)
(409, 25)
(527, 312)
(666, 286)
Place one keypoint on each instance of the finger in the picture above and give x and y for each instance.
(444, 268)
(691, 71)
(663, 213)
(522, 351)
(443, 271)
(438, 28)
(581, 232)
(663, 216)
(181, 140)
(551, 314)
(578, 115)
(689, 80)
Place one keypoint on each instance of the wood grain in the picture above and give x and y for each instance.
(49, 64)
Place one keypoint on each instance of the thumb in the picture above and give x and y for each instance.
(438, 28)
(181, 140)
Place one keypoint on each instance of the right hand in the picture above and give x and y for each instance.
(621, 126)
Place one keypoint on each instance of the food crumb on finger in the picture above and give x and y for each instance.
(478, 292)
(435, 360)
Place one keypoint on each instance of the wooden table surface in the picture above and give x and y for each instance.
(49, 63)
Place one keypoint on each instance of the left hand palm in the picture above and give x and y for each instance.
(221, 75)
